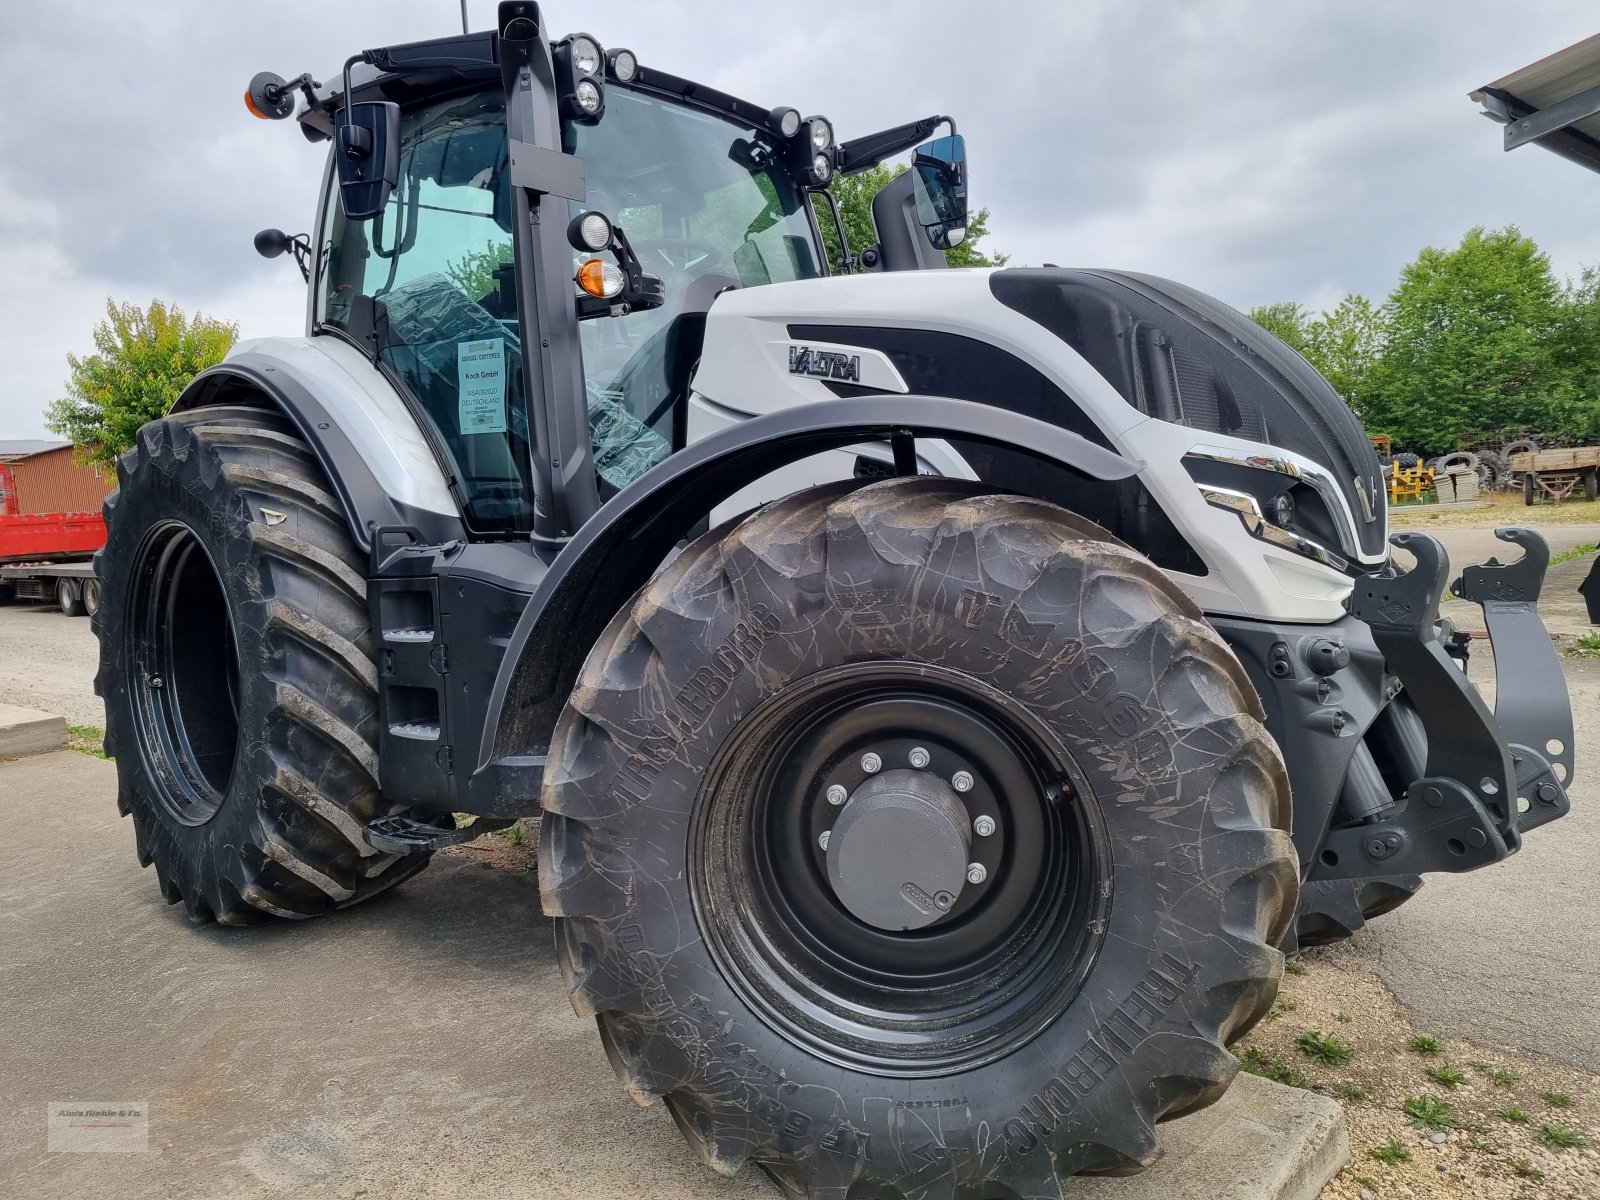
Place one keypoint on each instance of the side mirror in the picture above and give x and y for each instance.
(939, 180)
(367, 150)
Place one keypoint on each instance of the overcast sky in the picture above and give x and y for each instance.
(1256, 149)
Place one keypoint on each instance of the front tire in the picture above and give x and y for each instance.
(237, 672)
(1034, 1020)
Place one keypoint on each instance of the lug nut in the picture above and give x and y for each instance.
(983, 826)
(961, 781)
(919, 757)
(871, 763)
(837, 794)
(823, 840)
(976, 873)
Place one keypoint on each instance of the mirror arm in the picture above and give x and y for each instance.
(860, 153)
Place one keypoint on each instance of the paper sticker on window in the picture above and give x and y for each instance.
(481, 382)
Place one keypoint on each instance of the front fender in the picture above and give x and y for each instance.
(620, 547)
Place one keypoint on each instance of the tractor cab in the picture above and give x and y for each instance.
(488, 192)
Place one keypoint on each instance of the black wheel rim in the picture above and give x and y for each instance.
(184, 681)
(1008, 956)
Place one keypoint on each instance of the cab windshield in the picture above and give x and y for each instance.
(429, 285)
(707, 207)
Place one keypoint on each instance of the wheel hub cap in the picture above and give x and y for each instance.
(897, 855)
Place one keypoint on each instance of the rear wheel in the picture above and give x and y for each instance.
(69, 597)
(1529, 488)
(236, 666)
(91, 596)
(910, 837)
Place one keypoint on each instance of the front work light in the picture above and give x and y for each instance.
(586, 56)
(821, 133)
(785, 120)
(589, 231)
(624, 66)
(578, 60)
(600, 278)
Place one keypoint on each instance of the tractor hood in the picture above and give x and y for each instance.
(1097, 352)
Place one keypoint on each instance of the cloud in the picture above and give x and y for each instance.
(1254, 149)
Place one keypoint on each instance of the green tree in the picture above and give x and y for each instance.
(1286, 321)
(144, 358)
(1473, 342)
(854, 193)
(1345, 345)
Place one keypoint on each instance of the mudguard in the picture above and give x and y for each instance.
(374, 455)
(617, 550)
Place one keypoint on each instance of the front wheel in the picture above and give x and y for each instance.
(236, 664)
(907, 837)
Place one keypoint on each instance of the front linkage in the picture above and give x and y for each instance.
(1398, 766)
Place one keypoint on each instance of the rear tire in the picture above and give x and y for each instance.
(725, 962)
(1529, 488)
(69, 598)
(91, 597)
(237, 672)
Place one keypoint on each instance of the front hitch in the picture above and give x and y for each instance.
(1534, 717)
(1462, 813)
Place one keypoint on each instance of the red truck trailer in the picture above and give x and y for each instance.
(50, 525)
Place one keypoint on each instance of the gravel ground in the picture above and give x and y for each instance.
(48, 661)
(1483, 1129)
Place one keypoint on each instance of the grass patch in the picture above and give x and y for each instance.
(1429, 1112)
(1483, 1145)
(1585, 645)
(1523, 1169)
(87, 739)
(1557, 1100)
(1324, 1048)
(1295, 968)
(1499, 1076)
(1575, 552)
(1350, 1092)
(1559, 1137)
(1447, 1076)
(512, 834)
(1515, 1115)
(1258, 1062)
(1423, 1044)
(1390, 1154)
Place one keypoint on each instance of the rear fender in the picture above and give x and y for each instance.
(617, 550)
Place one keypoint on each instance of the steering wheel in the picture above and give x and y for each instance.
(679, 255)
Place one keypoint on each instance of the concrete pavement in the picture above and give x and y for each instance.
(421, 1045)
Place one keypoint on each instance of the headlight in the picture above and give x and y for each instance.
(821, 133)
(822, 168)
(587, 96)
(785, 120)
(624, 66)
(586, 56)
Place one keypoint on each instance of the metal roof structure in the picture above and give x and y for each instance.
(1554, 103)
(13, 450)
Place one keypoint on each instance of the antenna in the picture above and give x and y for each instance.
(464, 28)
